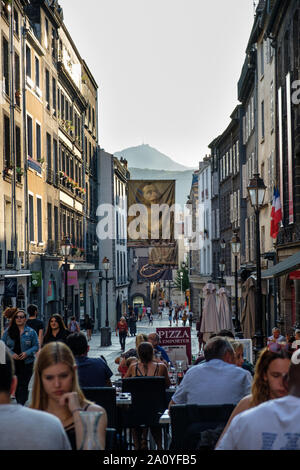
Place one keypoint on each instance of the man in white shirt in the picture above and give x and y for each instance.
(216, 381)
(273, 425)
(276, 336)
(23, 428)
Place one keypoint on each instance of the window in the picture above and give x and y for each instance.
(58, 101)
(272, 105)
(63, 161)
(54, 96)
(5, 66)
(262, 120)
(28, 62)
(37, 72)
(18, 150)
(55, 223)
(53, 43)
(62, 106)
(55, 160)
(31, 218)
(38, 141)
(39, 219)
(6, 143)
(16, 22)
(48, 143)
(29, 137)
(49, 220)
(262, 59)
(46, 33)
(17, 80)
(47, 89)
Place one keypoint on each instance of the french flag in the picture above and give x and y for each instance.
(276, 214)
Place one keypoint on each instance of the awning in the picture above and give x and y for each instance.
(287, 265)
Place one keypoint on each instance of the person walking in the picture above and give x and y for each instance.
(190, 318)
(73, 325)
(148, 310)
(122, 329)
(150, 319)
(34, 323)
(170, 317)
(132, 324)
(88, 326)
(23, 343)
(184, 318)
(56, 330)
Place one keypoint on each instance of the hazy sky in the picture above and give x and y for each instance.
(167, 70)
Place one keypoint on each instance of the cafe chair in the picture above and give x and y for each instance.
(110, 439)
(106, 397)
(148, 401)
(188, 422)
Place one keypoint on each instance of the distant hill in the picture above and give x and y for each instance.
(183, 180)
(146, 157)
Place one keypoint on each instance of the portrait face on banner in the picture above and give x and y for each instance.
(150, 212)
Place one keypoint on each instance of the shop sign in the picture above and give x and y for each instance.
(177, 343)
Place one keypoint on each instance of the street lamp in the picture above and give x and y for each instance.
(65, 250)
(106, 331)
(235, 248)
(223, 244)
(181, 277)
(256, 192)
(222, 269)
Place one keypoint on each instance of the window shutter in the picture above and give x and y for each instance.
(244, 171)
(231, 208)
(238, 207)
(246, 241)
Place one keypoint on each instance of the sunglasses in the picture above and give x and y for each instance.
(20, 317)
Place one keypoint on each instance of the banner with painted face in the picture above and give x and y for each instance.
(150, 216)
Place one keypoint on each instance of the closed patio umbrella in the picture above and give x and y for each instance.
(225, 316)
(210, 319)
(248, 312)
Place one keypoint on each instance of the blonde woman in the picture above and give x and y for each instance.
(270, 369)
(56, 390)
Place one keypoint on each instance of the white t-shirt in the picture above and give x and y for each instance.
(273, 425)
(22, 428)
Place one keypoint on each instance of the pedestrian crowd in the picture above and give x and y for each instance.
(265, 397)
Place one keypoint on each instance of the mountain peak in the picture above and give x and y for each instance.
(146, 157)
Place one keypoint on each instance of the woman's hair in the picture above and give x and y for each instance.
(260, 387)
(13, 330)
(145, 352)
(237, 345)
(60, 322)
(140, 338)
(53, 353)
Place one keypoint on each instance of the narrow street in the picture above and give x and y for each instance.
(111, 352)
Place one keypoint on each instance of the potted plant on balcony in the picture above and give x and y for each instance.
(8, 170)
(81, 251)
(19, 171)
